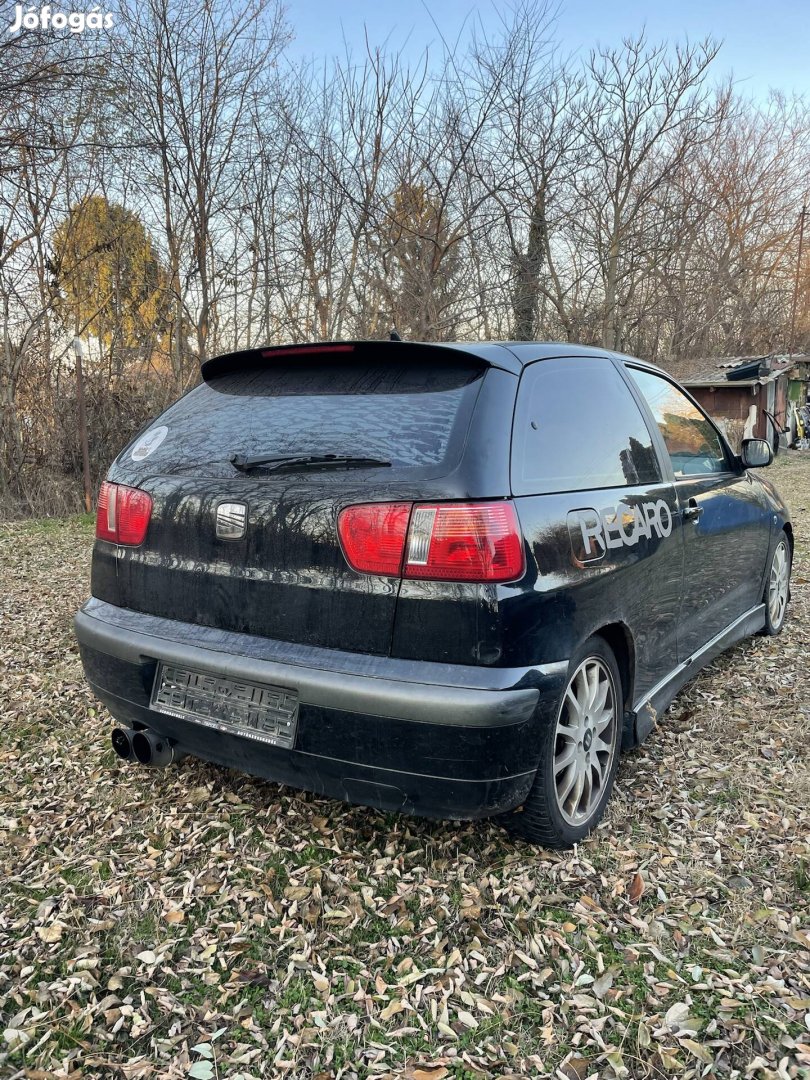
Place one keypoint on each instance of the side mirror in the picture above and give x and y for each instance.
(756, 453)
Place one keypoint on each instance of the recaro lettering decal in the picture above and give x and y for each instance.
(589, 524)
(594, 532)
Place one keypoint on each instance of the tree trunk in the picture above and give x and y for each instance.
(525, 297)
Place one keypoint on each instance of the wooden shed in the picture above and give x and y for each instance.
(747, 395)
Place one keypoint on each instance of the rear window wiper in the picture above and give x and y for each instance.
(245, 463)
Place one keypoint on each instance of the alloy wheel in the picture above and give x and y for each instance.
(778, 584)
(585, 741)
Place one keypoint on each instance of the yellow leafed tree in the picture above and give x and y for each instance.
(110, 278)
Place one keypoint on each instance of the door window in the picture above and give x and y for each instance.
(691, 439)
(577, 427)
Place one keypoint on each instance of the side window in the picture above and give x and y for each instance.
(693, 444)
(577, 427)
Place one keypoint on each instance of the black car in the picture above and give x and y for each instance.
(453, 580)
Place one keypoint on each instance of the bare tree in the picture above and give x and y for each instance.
(647, 110)
(39, 144)
(192, 76)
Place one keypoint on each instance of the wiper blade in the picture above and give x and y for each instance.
(245, 461)
(311, 461)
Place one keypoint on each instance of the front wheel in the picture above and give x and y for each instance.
(580, 754)
(777, 588)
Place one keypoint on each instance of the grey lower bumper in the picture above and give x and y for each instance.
(438, 740)
(378, 686)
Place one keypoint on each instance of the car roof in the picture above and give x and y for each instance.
(515, 355)
(512, 356)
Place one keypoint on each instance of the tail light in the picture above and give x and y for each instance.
(436, 541)
(373, 537)
(467, 542)
(123, 514)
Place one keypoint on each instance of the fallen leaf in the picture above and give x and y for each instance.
(575, 1068)
(669, 1061)
(392, 1008)
(677, 1016)
(297, 892)
(700, 1052)
(201, 1070)
(636, 890)
(424, 1072)
(603, 984)
(51, 933)
(16, 1038)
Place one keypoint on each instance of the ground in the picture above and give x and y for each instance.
(194, 922)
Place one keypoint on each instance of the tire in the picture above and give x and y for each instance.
(551, 816)
(777, 587)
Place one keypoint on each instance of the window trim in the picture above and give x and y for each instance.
(732, 468)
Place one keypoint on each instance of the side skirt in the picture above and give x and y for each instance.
(643, 717)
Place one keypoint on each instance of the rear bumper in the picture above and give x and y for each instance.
(439, 740)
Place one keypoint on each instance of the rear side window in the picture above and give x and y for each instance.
(577, 427)
(414, 416)
(692, 442)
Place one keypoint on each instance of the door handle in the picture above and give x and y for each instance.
(692, 511)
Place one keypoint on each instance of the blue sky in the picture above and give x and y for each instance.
(766, 43)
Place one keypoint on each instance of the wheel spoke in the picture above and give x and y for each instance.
(587, 789)
(573, 706)
(582, 691)
(601, 696)
(593, 686)
(562, 761)
(603, 721)
(564, 789)
(576, 797)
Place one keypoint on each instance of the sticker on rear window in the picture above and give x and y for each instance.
(148, 443)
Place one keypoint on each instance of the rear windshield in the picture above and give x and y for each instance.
(414, 416)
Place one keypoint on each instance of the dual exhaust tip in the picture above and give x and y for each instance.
(144, 746)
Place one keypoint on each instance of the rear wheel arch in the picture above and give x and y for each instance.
(618, 636)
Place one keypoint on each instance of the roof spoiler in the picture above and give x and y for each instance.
(248, 359)
(253, 358)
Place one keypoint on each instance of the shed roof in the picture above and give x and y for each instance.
(731, 371)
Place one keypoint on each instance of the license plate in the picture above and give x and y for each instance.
(268, 714)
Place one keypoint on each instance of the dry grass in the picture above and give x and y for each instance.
(196, 922)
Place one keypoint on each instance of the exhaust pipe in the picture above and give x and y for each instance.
(122, 743)
(152, 749)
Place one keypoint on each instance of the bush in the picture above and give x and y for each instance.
(49, 481)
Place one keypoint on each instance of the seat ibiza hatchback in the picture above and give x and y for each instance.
(451, 580)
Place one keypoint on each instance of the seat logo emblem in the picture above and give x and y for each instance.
(231, 521)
